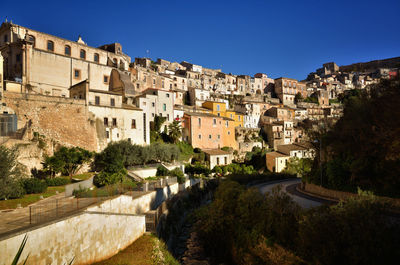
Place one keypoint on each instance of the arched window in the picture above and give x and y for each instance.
(67, 50)
(83, 54)
(121, 65)
(115, 61)
(96, 57)
(50, 46)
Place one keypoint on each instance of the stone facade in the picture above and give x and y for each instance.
(64, 121)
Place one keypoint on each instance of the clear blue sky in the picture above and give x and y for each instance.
(279, 38)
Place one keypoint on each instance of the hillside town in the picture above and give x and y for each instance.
(78, 95)
(110, 154)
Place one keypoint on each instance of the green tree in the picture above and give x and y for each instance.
(175, 131)
(295, 165)
(298, 97)
(68, 160)
(11, 173)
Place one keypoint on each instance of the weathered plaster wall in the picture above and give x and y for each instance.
(87, 238)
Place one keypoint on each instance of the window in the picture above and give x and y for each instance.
(170, 86)
(50, 45)
(199, 121)
(167, 117)
(67, 50)
(105, 79)
(239, 118)
(114, 121)
(96, 57)
(199, 136)
(162, 84)
(219, 136)
(153, 104)
(18, 57)
(227, 123)
(77, 74)
(219, 114)
(167, 95)
(144, 78)
(82, 54)
(229, 133)
(133, 124)
(112, 102)
(164, 106)
(209, 136)
(214, 121)
(137, 86)
(154, 81)
(97, 100)
(217, 160)
(108, 134)
(105, 121)
(226, 160)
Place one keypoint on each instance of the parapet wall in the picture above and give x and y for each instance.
(87, 237)
(63, 120)
(94, 235)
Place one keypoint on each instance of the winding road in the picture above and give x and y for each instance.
(289, 186)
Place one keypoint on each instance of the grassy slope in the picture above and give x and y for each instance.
(30, 198)
(147, 250)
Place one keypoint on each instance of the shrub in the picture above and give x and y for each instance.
(107, 178)
(57, 181)
(162, 171)
(177, 172)
(32, 185)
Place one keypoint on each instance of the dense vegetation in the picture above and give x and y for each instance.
(10, 174)
(242, 226)
(363, 147)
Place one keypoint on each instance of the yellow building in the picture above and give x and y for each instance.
(219, 109)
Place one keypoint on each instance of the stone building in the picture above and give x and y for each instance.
(37, 62)
(286, 89)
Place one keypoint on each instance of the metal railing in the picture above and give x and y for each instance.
(51, 210)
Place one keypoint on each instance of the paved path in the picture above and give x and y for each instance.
(12, 221)
(289, 186)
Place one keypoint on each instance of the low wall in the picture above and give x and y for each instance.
(87, 237)
(340, 195)
(331, 194)
(145, 173)
(138, 205)
(96, 234)
(86, 184)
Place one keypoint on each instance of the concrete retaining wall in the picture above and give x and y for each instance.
(96, 234)
(86, 184)
(87, 237)
(138, 205)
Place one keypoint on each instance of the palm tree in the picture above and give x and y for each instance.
(175, 131)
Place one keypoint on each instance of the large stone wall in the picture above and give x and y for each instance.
(61, 120)
(87, 237)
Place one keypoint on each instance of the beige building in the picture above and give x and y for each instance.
(120, 121)
(45, 64)
(286, 89)
(276, 162)
(218, 157)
